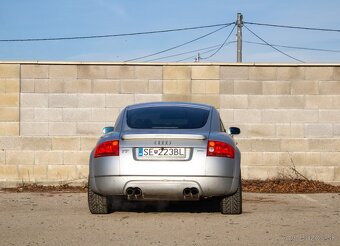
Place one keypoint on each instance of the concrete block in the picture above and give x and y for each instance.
(41, 85)
(66, 143)
(303, 87)
(36, 143)
(77, 114)
(27, 114)
(143, 98)
(290, 73)
(176, 72)
(234, 101)
(27, 85)
(84, 85)
(89, 128)
(111, 115)
(40, 172)
(336, 73)
(49, 158)
(91, 72)
(181, 87)
(213, 100)
(9, 99)
(9, 128)
(261, 130)
(36, 100)
(292, 102)
(205, 72)
(336, 101)
(226, 86)
(329, 87)
(134, 86)
(329, 116)
(106, 86)
(248, 87)
(9, 172)
(63, 100)
(82, 171)
(262, 101)
(149, 72)
(318, 102)
(227, 115)
(62, 129)
(252, 158)
(303, 116)
(330, 158)
(34, 128)
(266, 145)
(325, 174)
(294, 145)
(119, 100)
(205, 86)
(63, 71)
(262, 172)
(9, 71)
(276, 87)
(91, 101)
(155, 86)
(247, 116)
(244, 144)
(61, 172)
(234, 72)
(56, 85)
(319, 73)
(99, 114)
(290, 130)
(37, 71)
(2, 85)
(318, 130)
(176, 98)
(313, 159)
(270, 158)
(9, 143)
(120, 72)
(55, 114)
(41, 115)
(19, 157)
(88, 143)
(70, 85)
(2, 157)
(11, 85)
(324, 144)
(262, 73)
(76, 157)
(336, 130)
(275, 116)
(337, 174)
(9, 114)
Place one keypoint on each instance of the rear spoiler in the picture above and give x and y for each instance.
(163, 136)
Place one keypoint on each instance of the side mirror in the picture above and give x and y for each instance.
(107, 129)
(234, 131)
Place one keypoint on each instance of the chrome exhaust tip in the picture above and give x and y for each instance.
(130, 191)
(186, 192)
(194, 191)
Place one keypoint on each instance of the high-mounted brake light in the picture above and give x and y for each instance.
(220, 149)
(109, 148)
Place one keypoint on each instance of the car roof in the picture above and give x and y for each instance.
(174, 104)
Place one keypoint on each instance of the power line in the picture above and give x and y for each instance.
(112, 35)
(225, 41)
(272, 45)
(180, 45)
(293, 27)
(294, 47)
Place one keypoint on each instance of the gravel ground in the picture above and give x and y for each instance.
(64, 219)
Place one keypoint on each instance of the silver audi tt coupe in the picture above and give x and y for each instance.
(166, 151)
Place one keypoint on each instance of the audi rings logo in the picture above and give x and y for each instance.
(162, 142)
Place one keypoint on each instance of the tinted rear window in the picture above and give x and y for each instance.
(167, 117)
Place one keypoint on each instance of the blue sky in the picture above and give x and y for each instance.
(64, 18)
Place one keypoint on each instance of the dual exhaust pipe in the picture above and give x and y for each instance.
(133, 192)
(190, 192)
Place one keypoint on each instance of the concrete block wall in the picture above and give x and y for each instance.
(51, 114)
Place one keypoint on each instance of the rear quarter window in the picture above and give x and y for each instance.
(167, 117)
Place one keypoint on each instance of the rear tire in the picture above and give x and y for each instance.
(98, 204)
(232, 204)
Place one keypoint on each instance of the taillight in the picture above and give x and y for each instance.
(221, 149)
(109, 148)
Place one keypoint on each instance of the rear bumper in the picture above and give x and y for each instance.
(165, 187)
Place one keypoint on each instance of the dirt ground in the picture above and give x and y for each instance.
(63, 219)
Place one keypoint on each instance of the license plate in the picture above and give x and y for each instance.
(161, 153)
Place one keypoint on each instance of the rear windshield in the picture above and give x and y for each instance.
(167, 117)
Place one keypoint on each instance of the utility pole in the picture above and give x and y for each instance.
(198, 57)
(239, 24)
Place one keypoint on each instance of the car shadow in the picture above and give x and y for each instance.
(204, 206)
